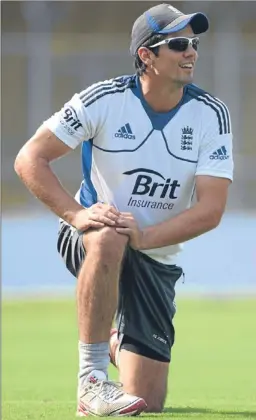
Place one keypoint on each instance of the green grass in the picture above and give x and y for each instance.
(213, 375)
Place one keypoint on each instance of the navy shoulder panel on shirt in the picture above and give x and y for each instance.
(214, 103)
(108, 87)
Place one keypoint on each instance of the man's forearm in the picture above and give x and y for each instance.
(187, 225)
(42, 182)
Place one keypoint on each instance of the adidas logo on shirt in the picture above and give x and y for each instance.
(220, 154)
(125, 132)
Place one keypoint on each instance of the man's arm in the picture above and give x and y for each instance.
(61, 133)
(32, 165)
(204, 216)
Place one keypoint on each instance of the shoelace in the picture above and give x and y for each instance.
(109, 389)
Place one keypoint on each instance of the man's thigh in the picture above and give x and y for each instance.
(73, 246)
(145, 378)
(146, 302)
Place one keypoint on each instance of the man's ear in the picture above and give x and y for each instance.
(145, 55)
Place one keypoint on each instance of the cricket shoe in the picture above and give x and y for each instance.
(100, 397)
(114, 345)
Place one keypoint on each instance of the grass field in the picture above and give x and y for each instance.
(213, 375)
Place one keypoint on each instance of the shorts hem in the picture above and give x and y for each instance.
(166, 355)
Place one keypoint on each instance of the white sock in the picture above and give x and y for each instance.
(92, 357)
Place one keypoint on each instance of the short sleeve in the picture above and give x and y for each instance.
(216, 150)
(72, 124)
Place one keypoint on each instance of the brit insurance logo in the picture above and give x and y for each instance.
(70, 120)
(186, 138)
(152, 190)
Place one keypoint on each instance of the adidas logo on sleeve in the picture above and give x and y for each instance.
(220, 154)
(125, 132)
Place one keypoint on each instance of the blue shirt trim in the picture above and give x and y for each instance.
(88, 194)
(176, 157)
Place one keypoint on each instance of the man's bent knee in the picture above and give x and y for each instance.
(145, 378)
(106, 242)
(155, 407)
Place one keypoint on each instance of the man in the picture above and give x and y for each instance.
(148, 142)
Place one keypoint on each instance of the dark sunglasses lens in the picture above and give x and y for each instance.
(195, 44)
(178, 44)
(181, 44)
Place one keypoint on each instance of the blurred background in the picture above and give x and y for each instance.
(50, 50)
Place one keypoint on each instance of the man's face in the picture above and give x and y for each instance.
(170, 64)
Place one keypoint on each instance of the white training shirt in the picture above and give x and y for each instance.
(142, 161)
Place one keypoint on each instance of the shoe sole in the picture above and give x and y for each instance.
(133, 409)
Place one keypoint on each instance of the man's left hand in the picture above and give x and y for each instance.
(128, 226)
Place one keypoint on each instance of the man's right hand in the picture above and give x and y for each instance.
(96, 216)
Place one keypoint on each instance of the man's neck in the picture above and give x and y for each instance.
(161, 98)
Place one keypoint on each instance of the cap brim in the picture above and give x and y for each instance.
(198, 21)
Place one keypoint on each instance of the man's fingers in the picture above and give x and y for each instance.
(106, 208)
(94, 224)
(125, 222)
(102, 219)
(114, 211)
(125, 231)
(107, 221)
(126, 213)
(111, 215)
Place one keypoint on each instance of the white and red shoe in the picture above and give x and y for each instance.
(100, 397)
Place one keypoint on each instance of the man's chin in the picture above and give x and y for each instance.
(186, 80)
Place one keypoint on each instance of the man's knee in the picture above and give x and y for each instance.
(156, 406)
(145, 378)
(106, 242)
(155, 400)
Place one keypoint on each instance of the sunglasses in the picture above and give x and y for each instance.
(179, 44)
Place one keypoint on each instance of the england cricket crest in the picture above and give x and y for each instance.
(186, 138)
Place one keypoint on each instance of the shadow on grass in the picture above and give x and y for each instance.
(183, 411)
